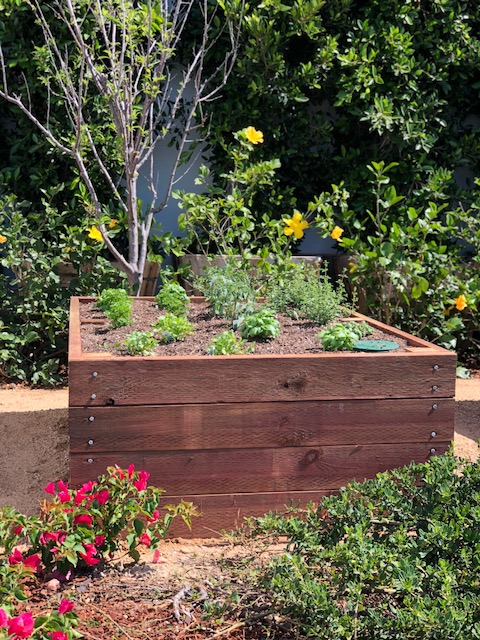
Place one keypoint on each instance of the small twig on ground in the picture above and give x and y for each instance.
(104, 613)
(186, 590)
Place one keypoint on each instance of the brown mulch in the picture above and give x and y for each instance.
(171, 599)
(296, 335)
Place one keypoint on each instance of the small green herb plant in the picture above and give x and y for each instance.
(343, 335)
(305, 291)
(117, 306)
(173, 298)
(172, 328)
(140, 343)
(229, 290)
(227, 344)
(261, 324)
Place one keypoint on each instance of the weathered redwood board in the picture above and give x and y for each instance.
(240, 435)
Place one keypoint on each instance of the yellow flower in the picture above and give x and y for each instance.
(336, 233)
(3, 239)
(461, 302)
(253, 135)
(95, 234)
(295, 225)
(112, 223)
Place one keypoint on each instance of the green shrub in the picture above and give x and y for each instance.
(411, 267)
(261, 324)
(173, 298)
(392, 558)
(140, 343)
(227, 344)
(304, 291)
(343, 335)
(34, 308)
(172, 328)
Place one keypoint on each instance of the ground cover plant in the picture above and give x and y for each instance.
(395, 557)
(76, 531)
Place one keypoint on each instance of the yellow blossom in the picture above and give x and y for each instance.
(295, 225)
(112, 223)
(336, 233)
(3, 239)
(253, 135)
(95, 234)
(460, 302)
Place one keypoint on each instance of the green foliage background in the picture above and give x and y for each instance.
(339, 86)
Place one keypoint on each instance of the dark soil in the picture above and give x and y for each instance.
(296, 335)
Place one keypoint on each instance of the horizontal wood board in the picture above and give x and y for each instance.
(227, 512)
(269, 424)
(244, 379)
(257, 470)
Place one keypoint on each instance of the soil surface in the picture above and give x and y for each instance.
(185, 594)
(296, 335)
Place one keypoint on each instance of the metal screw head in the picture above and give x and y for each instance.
(432, 450)
(90, 460)
(91, 418)
(90, 442)
(434, 387)
(435, 406)
(436, 367)
(433, 434)
(94, 374)
(93, 396)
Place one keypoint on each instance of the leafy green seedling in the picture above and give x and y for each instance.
(173, 298)
(172, 328)
(140, 343)
(261, 324)
(227, 344)
(343, 335)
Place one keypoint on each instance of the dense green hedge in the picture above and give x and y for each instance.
(335, 85)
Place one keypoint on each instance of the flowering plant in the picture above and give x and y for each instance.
(77, 529)
(244, 217)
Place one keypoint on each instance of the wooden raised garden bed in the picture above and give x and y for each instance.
(241, 435)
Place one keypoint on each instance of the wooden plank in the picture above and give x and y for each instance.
(74, 337)
(227, 512)
(207, 379)
(254, 425)
(257, 470)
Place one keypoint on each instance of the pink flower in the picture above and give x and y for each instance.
(17, 530)
(32, 561)
(145, 539)
(155, 516)
(83, 518)
(90, 551)
(65, 606)
(64, 496)
(79, 498)
(141, 483)
(88, 486)
(50, 488)
(102, 496)
(131, 471)
(156, 556)
(3, 618)
(15, 558)
(58, 635)
(99, 541)
(21, 626)
(63, 486)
